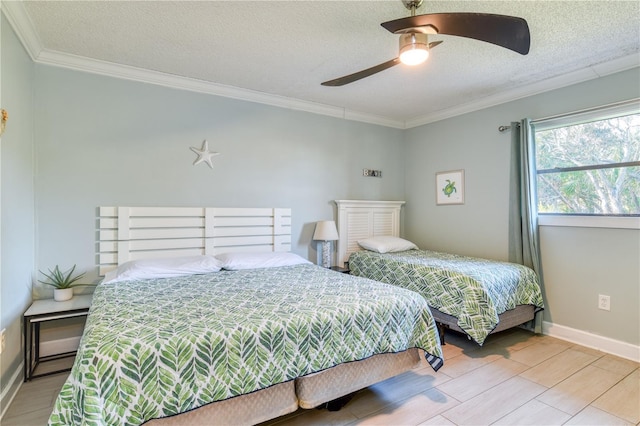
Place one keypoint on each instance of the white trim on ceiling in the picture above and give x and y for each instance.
(23, 26)
(25, 30)
(579, 76)
(65, 60)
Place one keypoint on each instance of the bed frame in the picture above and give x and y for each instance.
(359, 219)
(131, 233)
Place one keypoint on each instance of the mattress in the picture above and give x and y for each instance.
(475, 291)
(156, 348)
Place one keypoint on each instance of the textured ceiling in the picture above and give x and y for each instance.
(285, 49)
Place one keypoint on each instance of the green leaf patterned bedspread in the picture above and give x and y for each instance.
(154, 348)
(473, 290)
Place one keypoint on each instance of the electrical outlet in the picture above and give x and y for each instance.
(604, 302)
(2, 333)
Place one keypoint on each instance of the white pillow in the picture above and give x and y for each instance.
(386, 244)
(163, 268)
(238, 261)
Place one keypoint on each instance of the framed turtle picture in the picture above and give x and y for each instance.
(450, 187)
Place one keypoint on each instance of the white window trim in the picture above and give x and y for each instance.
(617, 222)
(579, 117)
(605, 112)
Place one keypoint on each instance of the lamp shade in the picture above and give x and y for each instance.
(325, 231)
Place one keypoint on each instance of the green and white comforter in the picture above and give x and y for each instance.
(473, 290)
(154, 348)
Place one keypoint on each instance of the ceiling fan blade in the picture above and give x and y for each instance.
(341, 81)
(507, 31)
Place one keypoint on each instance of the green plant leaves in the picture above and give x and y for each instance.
(58, 279)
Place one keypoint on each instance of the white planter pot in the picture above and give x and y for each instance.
(62, 294)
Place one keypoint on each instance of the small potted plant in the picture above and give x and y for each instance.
(62, 282)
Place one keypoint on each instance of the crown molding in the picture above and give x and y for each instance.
(25, 30)
(95, 66)
(22, 25)
(373, 119)
(564, 80)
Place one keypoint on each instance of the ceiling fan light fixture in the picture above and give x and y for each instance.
(505, 31)
(414, 48)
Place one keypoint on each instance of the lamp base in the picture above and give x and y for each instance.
(326, 254)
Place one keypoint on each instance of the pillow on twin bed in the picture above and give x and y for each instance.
(238, 261)
(163, 268)
(386, 244)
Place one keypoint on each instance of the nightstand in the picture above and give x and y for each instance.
(42, 311)
(340, 269)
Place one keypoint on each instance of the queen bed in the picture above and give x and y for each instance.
(179, 333)
(471, 295)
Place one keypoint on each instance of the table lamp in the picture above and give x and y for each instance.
(326, 232)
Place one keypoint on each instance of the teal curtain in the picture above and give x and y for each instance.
(524, 242)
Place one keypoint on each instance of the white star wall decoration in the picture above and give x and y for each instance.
(204, 155)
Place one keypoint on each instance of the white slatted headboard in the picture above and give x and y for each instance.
(131, 233)
(359, 219)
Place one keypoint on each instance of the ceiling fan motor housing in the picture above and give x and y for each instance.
(412, 4)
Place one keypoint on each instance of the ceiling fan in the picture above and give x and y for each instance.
(506, 31)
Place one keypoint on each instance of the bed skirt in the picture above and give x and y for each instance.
(307, 392)
(318, 388)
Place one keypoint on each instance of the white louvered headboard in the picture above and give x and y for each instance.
(359, 219)
(131, 233)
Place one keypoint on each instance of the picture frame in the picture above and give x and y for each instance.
(450, 187)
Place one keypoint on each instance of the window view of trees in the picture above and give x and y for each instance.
(591, 168)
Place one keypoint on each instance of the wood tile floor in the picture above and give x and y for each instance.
(515, 378)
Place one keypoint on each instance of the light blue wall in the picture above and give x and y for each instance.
(581, 263)
(78, 141)
(17, 192)
(103, 141)
(578, 263)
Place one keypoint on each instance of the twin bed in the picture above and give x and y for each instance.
(470, 295)
(474, 296)
(204, 317)
(246, 337)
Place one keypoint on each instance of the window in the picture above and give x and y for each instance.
(589, 163)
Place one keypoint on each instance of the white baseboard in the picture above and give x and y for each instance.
(59, 346)
(7, 396)
(594, 341)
